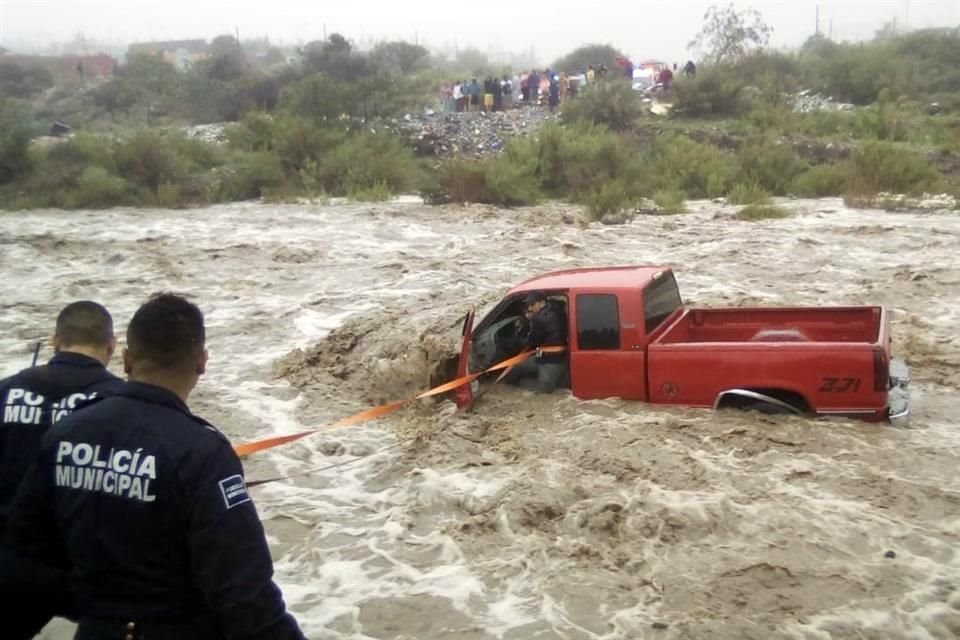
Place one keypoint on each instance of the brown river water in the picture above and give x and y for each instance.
(542, 517)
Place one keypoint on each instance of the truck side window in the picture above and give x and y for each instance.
(660, 299)
(598, 322)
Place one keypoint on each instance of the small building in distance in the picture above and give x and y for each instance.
(182, 54)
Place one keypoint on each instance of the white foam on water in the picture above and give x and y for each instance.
(706, 499)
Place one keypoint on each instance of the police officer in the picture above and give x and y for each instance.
(32, 401)
(547, 325)
(148, 504)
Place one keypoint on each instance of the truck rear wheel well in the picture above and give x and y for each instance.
(761, 399)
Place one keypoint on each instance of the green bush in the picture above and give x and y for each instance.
(147, 160)
(715, 91)
(822, 181)
(881, 166)
(458, 180)
(612, 197)
(669, 202)
(509, 182)
(613, 104)
(97, 188)
(365, 160)
(761, 212)
(772, 166)
(377, 192)
(572, 160)
(15, 134)
(699, 170)
(254, 132)
(249, 176)
(748, 193)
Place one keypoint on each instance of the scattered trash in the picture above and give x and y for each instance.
(215, 133)
(660, 625)
(807, 101)
(476, 133)
(890, 554)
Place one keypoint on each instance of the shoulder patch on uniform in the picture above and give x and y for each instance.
(234, 491)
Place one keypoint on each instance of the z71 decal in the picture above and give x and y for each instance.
(840, 385)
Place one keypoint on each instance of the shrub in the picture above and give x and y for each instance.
(699, 170)
(754, 212)
(458, 181)
(147, 160)
(15, 134)
(881, 166)
(715, 91)
(509, 182)
(250, 176)
(669, 201)
(368, 159)
(613, 104)
(169, 195)
(255, 132)
(96, 187)
(574, 160)
(748, 193)
(608, 197)
(377, 192)
(822, 181)
(771, 166)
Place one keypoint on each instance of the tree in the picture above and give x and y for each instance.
(23, 82)
(227, 60)
(592, 54)
(400, 57)
(472, 61)
(335, 58)
(15, 135)
(728, 34)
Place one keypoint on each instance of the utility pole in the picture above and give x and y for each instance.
(818, 19)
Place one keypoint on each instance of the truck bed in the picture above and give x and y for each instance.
(784, 324)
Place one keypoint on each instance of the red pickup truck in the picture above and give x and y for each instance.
(629, 336)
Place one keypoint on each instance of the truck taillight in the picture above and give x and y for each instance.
(881, 371)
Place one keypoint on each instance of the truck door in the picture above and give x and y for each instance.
(464, 394)
(607, 347)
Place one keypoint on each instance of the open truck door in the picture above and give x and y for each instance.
(464, 393)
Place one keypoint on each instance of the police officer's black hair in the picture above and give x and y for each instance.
(166, 332)
(84, 323)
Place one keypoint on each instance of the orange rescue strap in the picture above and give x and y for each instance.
(385, 409)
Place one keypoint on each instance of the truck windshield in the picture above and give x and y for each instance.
(660, 299)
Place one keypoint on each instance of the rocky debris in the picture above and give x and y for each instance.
(807, 101)
(215, 133)
(478, 134)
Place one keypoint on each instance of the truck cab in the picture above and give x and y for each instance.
(629, 336)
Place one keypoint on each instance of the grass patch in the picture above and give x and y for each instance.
(376, 192)
(748, 193)
(670, 201)
(762, 211)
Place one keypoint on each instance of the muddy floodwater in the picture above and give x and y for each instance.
(542, 517)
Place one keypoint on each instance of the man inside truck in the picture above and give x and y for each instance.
(546, 327)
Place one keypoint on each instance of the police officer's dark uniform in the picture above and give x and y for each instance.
(32, 401)
(184, 555)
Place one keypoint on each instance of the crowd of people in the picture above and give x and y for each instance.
(537, 88)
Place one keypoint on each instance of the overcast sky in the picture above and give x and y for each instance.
(641, 28)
